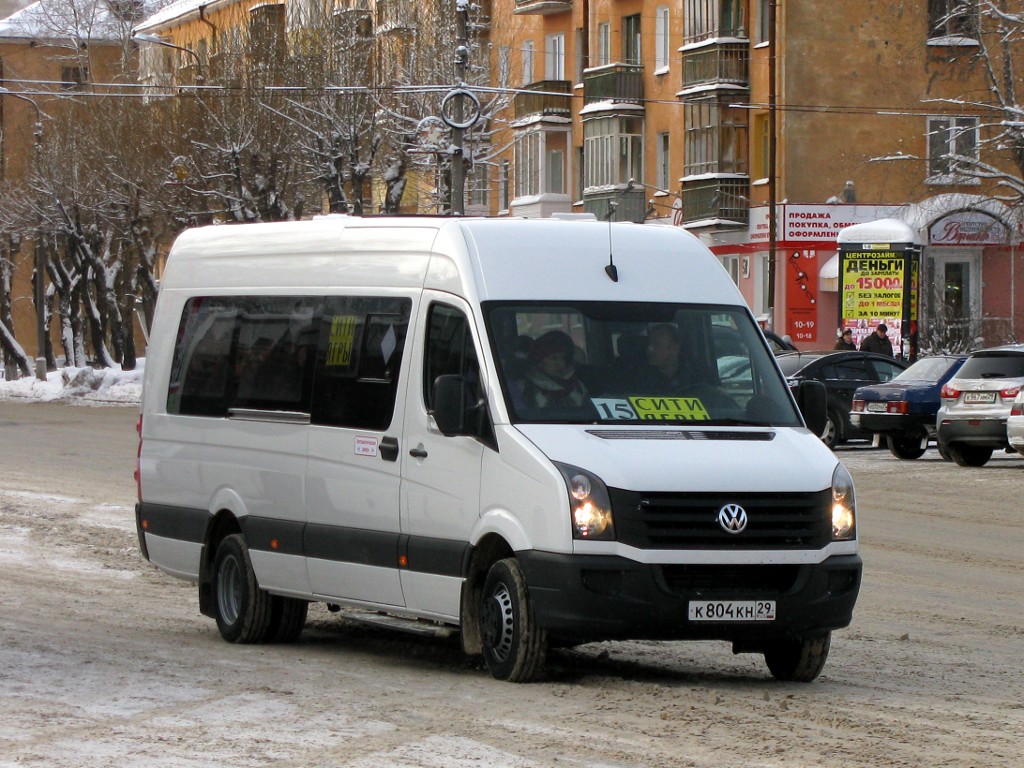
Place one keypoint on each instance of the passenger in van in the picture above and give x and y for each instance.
(665, 365)
(551, 380)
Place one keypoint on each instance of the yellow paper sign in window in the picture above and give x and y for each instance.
(669, 408)
(342, 340)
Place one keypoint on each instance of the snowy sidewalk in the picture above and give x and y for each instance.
(88, 386)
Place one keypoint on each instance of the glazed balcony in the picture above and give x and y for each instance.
(620, 83)
(546, 98)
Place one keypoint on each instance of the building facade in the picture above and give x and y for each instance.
(701, 114)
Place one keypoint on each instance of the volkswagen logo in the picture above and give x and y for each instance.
(732, 518)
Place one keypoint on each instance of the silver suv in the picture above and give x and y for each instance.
(971, 422)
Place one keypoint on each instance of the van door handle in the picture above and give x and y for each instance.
(418, 452)
(389, 449)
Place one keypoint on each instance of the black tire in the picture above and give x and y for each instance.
(832, 435)
(242, 609)
(969, 455)
(905, 446)
(514, 646)
(798, 660)
(287, 619)
(943, 452)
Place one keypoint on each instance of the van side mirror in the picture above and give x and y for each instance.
(451, 393)
(812, 398)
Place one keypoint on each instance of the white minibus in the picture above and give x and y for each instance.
(533, 432)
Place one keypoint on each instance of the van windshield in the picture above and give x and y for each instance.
(603, 362)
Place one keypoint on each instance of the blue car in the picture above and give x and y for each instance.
(903, 409)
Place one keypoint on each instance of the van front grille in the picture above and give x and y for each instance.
(711, 580)
(690, 520)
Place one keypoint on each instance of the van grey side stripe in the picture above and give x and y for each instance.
(351, 545)
(179, 523)
(442, 557)
(283, 537)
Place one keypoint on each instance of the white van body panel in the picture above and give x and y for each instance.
(354, 582)
(648, 459)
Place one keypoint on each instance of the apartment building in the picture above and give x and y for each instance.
(677, 111)
(699, 114)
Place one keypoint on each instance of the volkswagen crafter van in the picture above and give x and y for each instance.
(474, 424)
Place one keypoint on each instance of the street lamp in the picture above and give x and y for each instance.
(142, 37)
(40, 252)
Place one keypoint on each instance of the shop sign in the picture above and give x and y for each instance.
(812, 223)
(967, 228)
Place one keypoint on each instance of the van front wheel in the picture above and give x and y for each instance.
(798, 659)
(514, 646)
(242, 609)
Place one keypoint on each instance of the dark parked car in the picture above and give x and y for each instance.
(903, 410)
(841, 373)
(779, 344)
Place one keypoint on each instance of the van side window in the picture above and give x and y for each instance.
(243, 352)
(358, 360)
(449, 350)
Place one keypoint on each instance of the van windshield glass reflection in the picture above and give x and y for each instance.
(606, 362)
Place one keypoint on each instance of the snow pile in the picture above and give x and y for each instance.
(94, 386)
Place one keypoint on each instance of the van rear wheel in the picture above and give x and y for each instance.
(242, 609)
(798, 659)
(514, 646)
(287, 619)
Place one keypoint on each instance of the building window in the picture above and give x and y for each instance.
(705, 19)
(504, 65)
(527, 167)
(952, 145)
(763, 17)
(504, 180)
(604, 44)
(527, 62)
(661, 49)
(663, 180)
(554, 172)
(578, 41)
(631, 39)
(731, 262)
(762, 146)
(952, 18)
(554, 57)
(612, 150)
(716, 139)
(73, 78)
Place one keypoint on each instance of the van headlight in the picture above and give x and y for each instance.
(590, 508)
(844, 505)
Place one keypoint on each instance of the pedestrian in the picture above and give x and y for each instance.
(878, 342)
(845, 342)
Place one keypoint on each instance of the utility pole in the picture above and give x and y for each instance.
(458, 191)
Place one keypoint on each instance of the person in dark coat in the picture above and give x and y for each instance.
(845, 342)
(877, 342)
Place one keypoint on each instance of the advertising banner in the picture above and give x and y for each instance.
(878, 284)
(802, 296)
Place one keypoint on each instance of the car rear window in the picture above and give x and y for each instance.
(993, 365)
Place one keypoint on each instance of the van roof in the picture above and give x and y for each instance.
(479, 258)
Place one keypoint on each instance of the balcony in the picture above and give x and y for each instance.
(545, 98)
(721, 199)
(630, 206)
(712, 66)
(542, 7)
(619, 83)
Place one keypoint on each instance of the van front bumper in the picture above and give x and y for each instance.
(588, 598)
